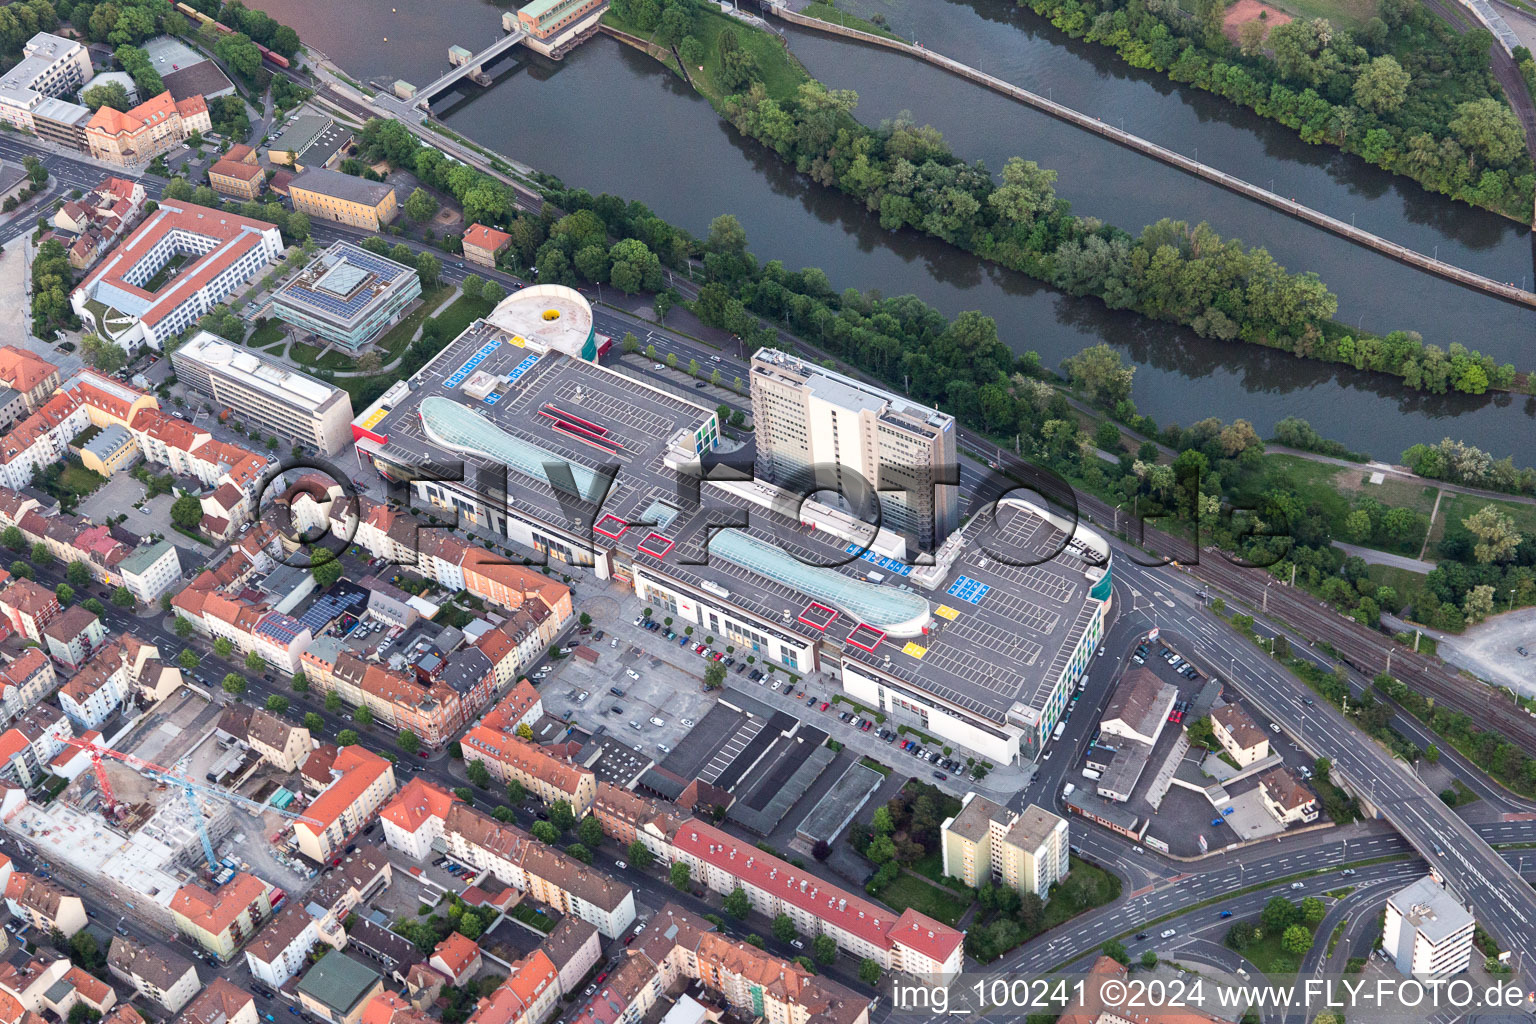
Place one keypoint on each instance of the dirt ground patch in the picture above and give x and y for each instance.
(1244, 11)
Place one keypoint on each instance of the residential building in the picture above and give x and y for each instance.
(40, 440)
(331, 195)
(677, 946)
(363, 782)
(136, 136)
(1096, 1001)
(111, 450)
(1239, 735)
(29, 608)
(45, 905)
(122, 668)
(27, 748)
(222, 920)
(50, 66)
(109, 403)
(221, 1003)
(1287, 800)
(988, 843)
(156, 971)
(359, 877)
(861, 441)
(540, 871)
(911, 942)
(74, 636)
(429, 707)
(101, 217)
(1427, 932)
(271, 397)
(281, 743)
(574, 947)
(542, 771)
(338, 988)
(528, 995)
(238, 174)
(152, 570)
(222, 251)
(281, 949)
(414, 819)
(456, 958)
(30, 374)
(627, 816)
(347, 295)
(482, 244)
(24, 681)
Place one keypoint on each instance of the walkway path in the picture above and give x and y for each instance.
(1374, 557)
(1228, 181)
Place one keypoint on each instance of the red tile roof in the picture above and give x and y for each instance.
(236, 169)
(22, 370)
(483, 237)
(214, 912)
(359, 768)
(233, 236)
(456, 953)
(417, 802)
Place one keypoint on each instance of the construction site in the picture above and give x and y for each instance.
(137, 819)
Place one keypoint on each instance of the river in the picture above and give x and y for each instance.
(609, 119)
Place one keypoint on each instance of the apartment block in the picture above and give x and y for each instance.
(364, 782)
(1427, 932)
(988, 843)
(224, 919)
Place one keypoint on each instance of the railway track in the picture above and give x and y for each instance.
(1368, 650)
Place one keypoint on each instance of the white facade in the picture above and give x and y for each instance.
(50, 66)
(770, 644)
(25, 451)
(415, 845)
(150, 572)
(1426, 931)
(285, 962)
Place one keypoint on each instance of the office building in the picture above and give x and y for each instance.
(51, 66)
(860, 441)
(986, 842)
(139, 134)
(271, 398)
(60, 121)
(1427, 932)
(150, 571)
(133, 299)
(347, 296)
(331, 195)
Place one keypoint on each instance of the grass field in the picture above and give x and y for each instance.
(780, 73)
(909, 891)
(460, 314)
(267, 337)
(826, 12)
(1456, 507)
(1335, 489)
(1409, 585)
(1343, 13)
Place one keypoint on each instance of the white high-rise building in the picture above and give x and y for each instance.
(50, 66)
(1427, 932)
(806, 418)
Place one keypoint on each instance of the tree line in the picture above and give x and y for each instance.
(1405, 91)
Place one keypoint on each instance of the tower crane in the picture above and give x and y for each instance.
(188, 788)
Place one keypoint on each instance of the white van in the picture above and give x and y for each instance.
(1067, 789)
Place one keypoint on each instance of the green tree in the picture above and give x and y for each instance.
(333, 702)
(590, 832)
(254, 662)
(21, 570)
(347, 738)
(325, 566)
(41, 555)
(825, 948)
(1382, 86)
(234, 684)
(478, 773)
(187, 512)
(561, 816)
(1101, 372)
(277, 704)
(1313, 910)
(1296, 939)
(1149, 959)
(123, 598)
(515, 792)
(420, 206)
(223, 646)
(580, 852)
(408, 741)
(313, 722)
(77, 574)
(880, 823)
(65, 594)
(680, 875)
(783, 928)
(1278, 915)
(492, 292)
(300, 683)
(182, 628)
(111, 94)
(362, 715)
(429, 268)
(14, 539)
(869, 971)
(738, 904)
(1358, 525)
(544, 832)
(240, 54)
(103, 355)
(714, 675)
(692, 52)
(1489, 128)
(1497, 537)
(640, 855)
(1115, 950)
(471, 286)
(634, 267)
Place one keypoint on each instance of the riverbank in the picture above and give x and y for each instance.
(1173, 271)
(1098, 126)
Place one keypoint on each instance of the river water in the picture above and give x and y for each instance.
(610, 119)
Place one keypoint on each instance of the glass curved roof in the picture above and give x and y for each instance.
(897, 612)
(452, 425)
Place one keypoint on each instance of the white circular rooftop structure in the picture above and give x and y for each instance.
(548, 318)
